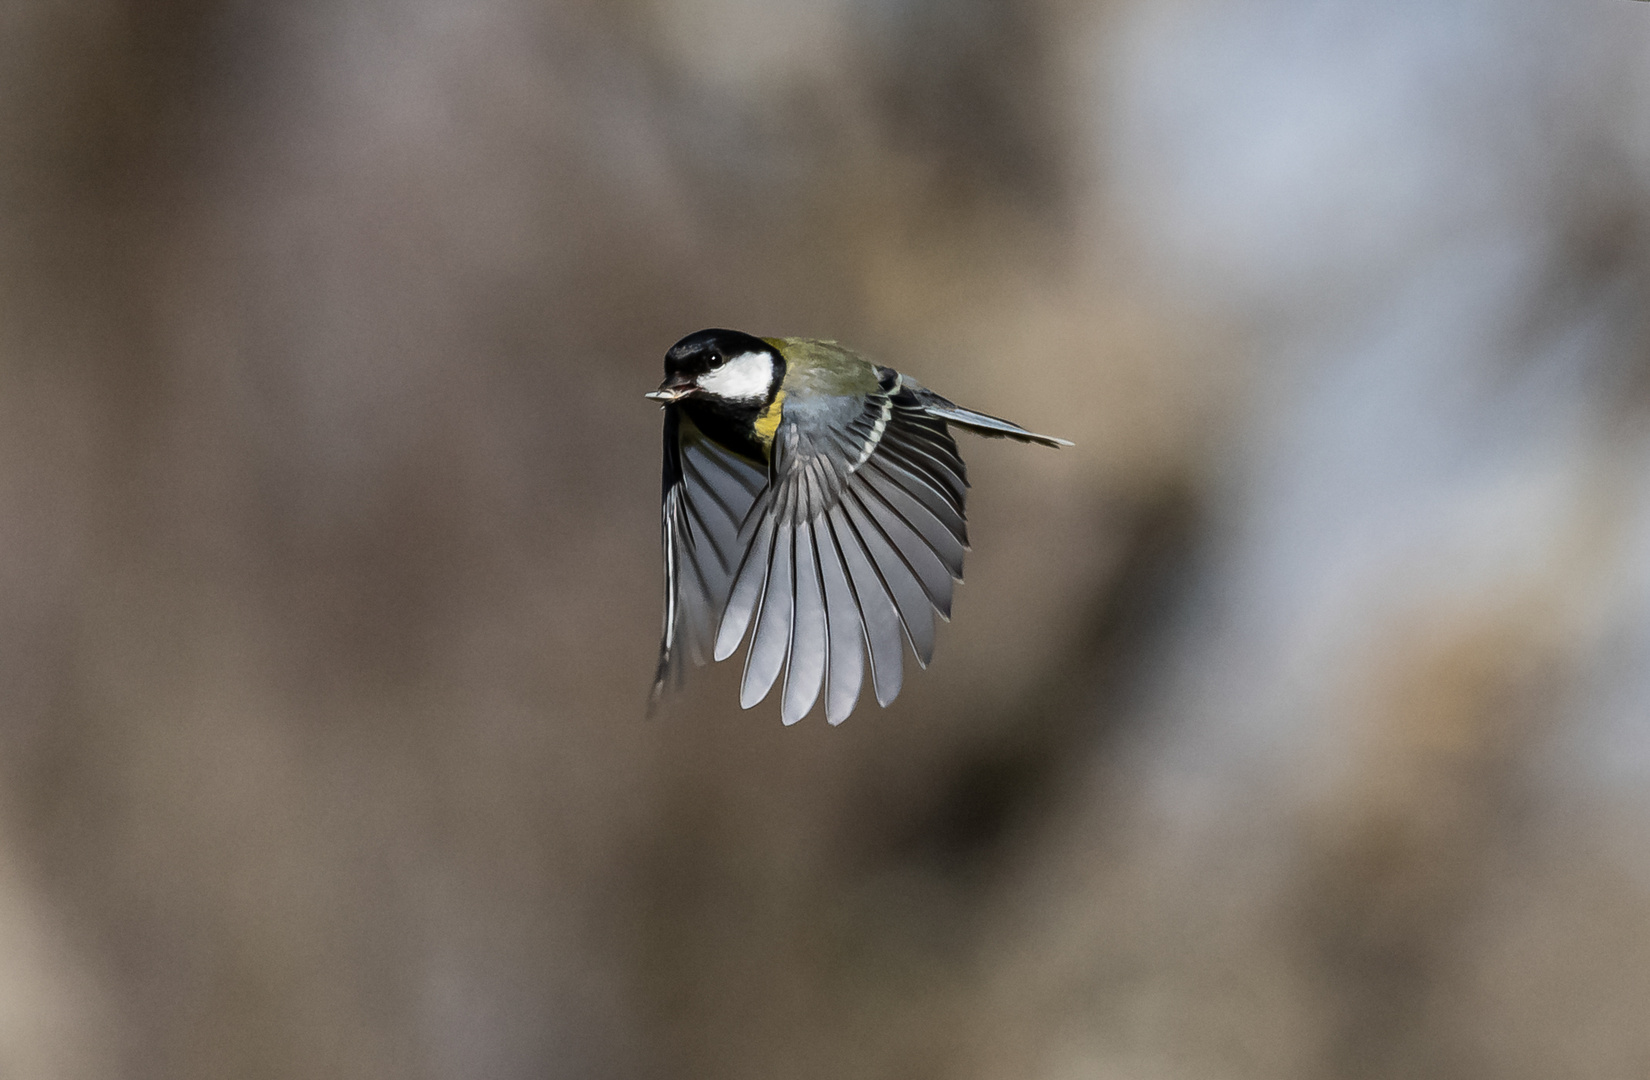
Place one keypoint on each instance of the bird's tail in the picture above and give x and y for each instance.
(979, 423)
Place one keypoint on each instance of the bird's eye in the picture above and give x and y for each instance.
(715, 360)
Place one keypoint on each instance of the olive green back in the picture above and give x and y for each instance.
(824, 368)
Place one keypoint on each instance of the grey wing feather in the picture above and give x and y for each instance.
(847, 555)
(915, 612)
(845, 625)
(752, 575)
(771, 640)
(879, 621)
(852, 548)
(707, 494)
(810, 642)
(920, 535)
(945, 506)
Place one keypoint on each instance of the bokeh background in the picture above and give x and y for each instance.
(1295, 724)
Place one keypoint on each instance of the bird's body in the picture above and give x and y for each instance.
(815, 501)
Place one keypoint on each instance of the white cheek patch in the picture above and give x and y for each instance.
(745, 377)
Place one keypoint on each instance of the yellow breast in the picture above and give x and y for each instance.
(768, 421)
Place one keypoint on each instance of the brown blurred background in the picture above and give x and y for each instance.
(1296, 724)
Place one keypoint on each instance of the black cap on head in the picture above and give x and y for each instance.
(706, 349)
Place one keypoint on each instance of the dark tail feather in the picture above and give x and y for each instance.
(993, 427)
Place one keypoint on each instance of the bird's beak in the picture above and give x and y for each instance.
(672, 388)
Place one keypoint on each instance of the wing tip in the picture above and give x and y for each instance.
(661, 680)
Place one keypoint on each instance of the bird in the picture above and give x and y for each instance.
(812, 501)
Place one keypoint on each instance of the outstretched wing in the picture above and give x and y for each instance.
(708, 492)
(851, 549)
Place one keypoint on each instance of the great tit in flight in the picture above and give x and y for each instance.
(813, 500)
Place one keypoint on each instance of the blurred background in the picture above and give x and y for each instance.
(1295, 724)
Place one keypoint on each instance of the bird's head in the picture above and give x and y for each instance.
(722, 367)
